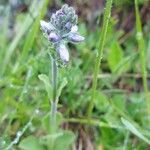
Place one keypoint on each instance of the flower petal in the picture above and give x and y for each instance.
(75, 38)
(63, 53)
(53, 37)
(74, 29)
(46, 27)
(68, 26)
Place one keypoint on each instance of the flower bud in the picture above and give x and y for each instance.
(68, 25)
(53, 37)
(46, 27)
(62, 29)
(74, 29)
(75, 38)
(63, 53)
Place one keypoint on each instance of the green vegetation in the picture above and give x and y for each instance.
(103, 92)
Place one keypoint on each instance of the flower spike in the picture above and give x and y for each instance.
(62, 29)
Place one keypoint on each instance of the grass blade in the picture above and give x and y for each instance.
(134, 130)
(141, 47)
(31, 37)
(107, 15)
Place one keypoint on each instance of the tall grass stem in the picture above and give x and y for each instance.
(101, 44)
(141, 47)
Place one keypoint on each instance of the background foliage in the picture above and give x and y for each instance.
(119, 119)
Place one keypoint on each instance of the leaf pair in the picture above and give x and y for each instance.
(61, 141)
(44, 78)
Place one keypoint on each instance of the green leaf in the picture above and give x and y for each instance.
(64, 141)
(119, 101)
(46, 121)
(61, 86)
(123, 65)
(44, 78)
(61, 140)
(30, 143)
(115, 56)
(134, 130)
(101, 102)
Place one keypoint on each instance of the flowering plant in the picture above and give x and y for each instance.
(62, 29)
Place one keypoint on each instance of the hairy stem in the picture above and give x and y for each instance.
(54, 101)
(141, 46)
(107, 15)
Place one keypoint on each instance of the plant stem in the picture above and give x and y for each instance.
(54, 101)
(93, 122)
(107, 15)
(53, 115)
(54, 78)
(141, 46)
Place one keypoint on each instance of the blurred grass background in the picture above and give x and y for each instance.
(119, 119)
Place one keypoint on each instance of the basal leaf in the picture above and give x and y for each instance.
(30, 143)
(134, 130)
(44, 78)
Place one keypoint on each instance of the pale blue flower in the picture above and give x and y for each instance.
(62, 29)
